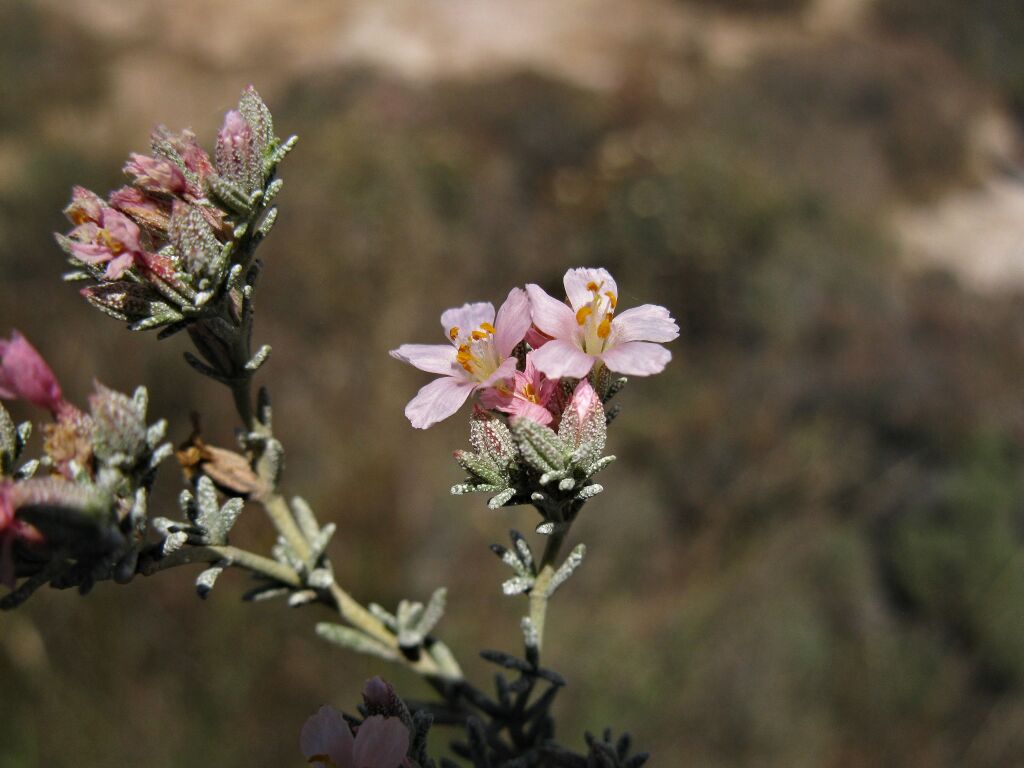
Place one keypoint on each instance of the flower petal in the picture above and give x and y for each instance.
(503, 372)
(560, 358)
(636, 358)
(326, 733)
(381, 743)
(648, 322)
(550, 315)
(512, 322)
(576, 282)
(526, 410)
(467, 318)
(437, 401)
(432, 358)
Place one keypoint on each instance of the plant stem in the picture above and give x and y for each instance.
(250, 561)
(539, 592)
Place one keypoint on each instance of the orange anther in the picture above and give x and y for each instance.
(605, 327)
(453, 334)
(487, 327)
(583, 314)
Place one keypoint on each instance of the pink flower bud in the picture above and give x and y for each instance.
(144, 210)
(584, 406)
(85, 206)
(236, 158)
(24, 375)
(155, 174)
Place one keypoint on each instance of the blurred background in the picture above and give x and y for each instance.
(810, 552)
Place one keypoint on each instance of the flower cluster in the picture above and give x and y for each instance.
(77, 513)
(183, 231)
(561, 340)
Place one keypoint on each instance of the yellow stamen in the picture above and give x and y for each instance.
(611, 299)
(453, 334)
(530, 393)
(605, 327)
(593, 287)
(487, 327)
(114, 245)
(478, 335)
(465, 358)
(583, 314)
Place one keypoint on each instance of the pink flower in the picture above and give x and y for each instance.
(24, 375)
(530, 395)
(143, 209)
(154, 174)
(381, 742)
(588, 330)
(478, 357)
(105, 236)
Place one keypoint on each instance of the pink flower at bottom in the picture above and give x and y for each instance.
(530, 394)
(11, 530)
(327, 741)
(588, 330)
(478, 357)
(24, 375)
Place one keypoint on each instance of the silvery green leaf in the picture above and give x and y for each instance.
(265, 592)
(517, 585)
(319, 542)
(161, 453)
(547, 477)
(164, 526)
(482, 467)
(26, 470)
(598, 465)
(218, 525)
(354, 640)
(522, 549)
(502, 498)
(267, 224)
(589, 491)
(277, 155)
(572, 562)
(207, 505)
(259, 358)
(445, 661)
(272, 189)
(320, 578)
(206, 580)
(566, 484)
(382, 615)
(539, 445)
(156, 433)
(303, 597)
(229, 194)
(174, 542)
(24, 432)
(305, 518)
(545, 529)
(615, 387)
(284, 554)
(434, 611)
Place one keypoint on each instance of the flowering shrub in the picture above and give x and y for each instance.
(176, 249)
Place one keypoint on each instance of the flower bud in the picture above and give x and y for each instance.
(24, 375)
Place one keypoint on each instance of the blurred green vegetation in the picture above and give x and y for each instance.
(809, 553)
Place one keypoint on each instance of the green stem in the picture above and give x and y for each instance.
(539, 593)
(250, 561)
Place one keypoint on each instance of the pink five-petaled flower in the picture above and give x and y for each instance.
(478, 357)
(24, 375)
(588, 330)
(381, 742)
(530, 395)
(102, 235)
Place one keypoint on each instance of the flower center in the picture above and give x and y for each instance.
(595, 318)
(477, 354)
